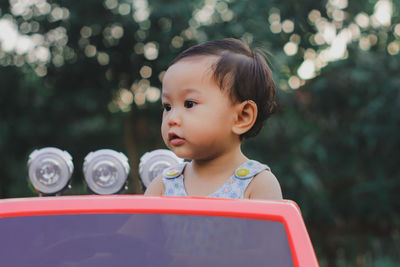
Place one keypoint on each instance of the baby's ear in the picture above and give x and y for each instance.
(245, 117)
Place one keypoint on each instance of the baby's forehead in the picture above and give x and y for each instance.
(199, 66)
(194, 72)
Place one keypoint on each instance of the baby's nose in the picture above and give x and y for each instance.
(174, 118)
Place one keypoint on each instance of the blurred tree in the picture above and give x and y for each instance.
(87, 75)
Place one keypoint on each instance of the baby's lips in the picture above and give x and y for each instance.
(173, 135)
(177, 141)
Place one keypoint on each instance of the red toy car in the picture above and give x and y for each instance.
(127, 230)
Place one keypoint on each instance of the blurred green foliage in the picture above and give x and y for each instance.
(86, 75)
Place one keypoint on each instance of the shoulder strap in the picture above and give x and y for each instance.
(249, 169)
(173, 171)
(236, 185)
(173, 181)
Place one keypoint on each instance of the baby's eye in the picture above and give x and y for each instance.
(167, 107)
(189, 104)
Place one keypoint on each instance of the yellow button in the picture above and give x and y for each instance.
(242, 172)
(172, 172)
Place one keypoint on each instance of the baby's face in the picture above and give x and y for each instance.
(198, 115)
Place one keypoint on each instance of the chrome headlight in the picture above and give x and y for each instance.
(50, 170)
(106, 171)
(153, 163)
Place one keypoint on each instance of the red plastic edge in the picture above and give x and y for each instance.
(285, 211)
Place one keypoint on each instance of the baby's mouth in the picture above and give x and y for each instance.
(175, 139)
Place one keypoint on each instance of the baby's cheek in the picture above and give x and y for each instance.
(164, 133)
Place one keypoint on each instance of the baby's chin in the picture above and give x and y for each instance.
(182, 155)
(178, 152)
(185, 153)
(194, 157)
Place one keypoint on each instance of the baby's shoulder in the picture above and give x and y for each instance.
(264, 186)
(156, 187)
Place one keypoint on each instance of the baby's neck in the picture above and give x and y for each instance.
(203, 177)
(221, 166)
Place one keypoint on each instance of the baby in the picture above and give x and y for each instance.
(214, 96)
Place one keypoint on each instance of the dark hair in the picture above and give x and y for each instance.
(242, 71)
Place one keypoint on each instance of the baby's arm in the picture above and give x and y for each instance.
(264, 186)
(156, 187)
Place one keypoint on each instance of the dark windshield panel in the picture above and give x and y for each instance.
(142, 240)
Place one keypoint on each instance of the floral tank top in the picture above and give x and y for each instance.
(234, 187)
